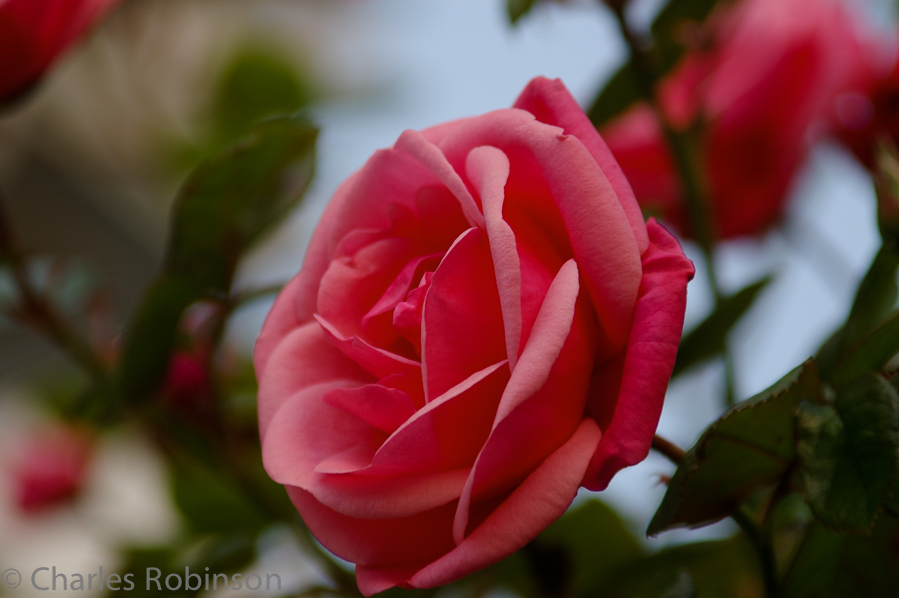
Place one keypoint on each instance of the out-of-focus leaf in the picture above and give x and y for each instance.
(714, 568)
(871, 355)
(619, 92)
(225, 205)
(211, 502)
(681, 586)
(150, 337)
(135, 570)
(589, 561)
(256, 84)
(833, 565)
(231, 199)
(708, 339)
(750, 447)
(848, 453)
(875, 300)
(516, 9)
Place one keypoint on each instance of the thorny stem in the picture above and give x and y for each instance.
(36, 311)
(684, 148)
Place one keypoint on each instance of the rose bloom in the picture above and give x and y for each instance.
(770, 70)
(483, 324)
(49, 468)
(33, 33)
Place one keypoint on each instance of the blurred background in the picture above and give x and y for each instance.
(91, 159)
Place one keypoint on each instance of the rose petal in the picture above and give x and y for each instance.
(379, 362)
(304, 358)
(308, 431)
(448, 432)
(599, 230)
(426, 153)
(551, 102)
(630, 423)
(516, 446)
(379, 406)
(393, 541)
(461, 321)
(537, 502)
(488, 170)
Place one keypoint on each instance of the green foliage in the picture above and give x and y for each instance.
(150, 337)
(225, 205)
(848, 453)
(233, 198)
(871, 355)
(618, 93)
(211, 501)
(516, 9)
(708, 339)
(750, 447)
(715, 568)
(833, 565)
(589, 564)
(874, 302)
(256, 85)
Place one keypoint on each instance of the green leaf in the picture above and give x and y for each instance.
(619, 92)
(708, 339)
(750, 447)
(848, 454)
(225, 205)
(516, 9)
(681, 586)
(258, 83)
(833, 565)
(590, 563)
(875, 300)
(230, 200)
(210, 501)
(714, 568)
(871, 355)
(150, 337)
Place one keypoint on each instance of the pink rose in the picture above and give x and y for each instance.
(771, 72)
(34, 32)
(483, 324)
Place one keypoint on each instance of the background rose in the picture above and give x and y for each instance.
(483, 324)
(34, 32)
(772, 69)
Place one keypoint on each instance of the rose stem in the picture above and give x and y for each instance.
(674, 453)
(684, 148)
(37, 312)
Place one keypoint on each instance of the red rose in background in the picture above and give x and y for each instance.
(482, 325)
(49, 468)
(772, 71)
(33, 33)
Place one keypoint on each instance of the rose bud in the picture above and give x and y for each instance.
(187, 379)
(49, 469)
(482, 325)
(756, 105)
(34, 33)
